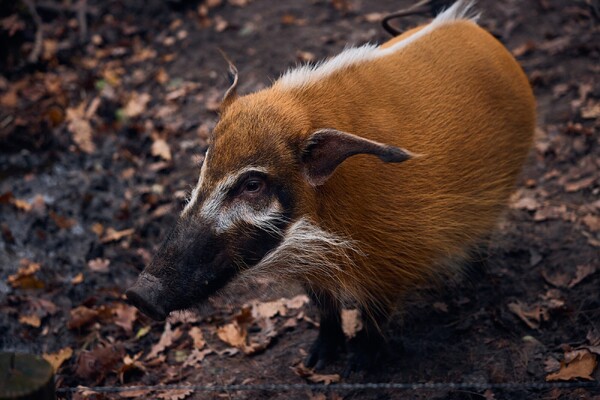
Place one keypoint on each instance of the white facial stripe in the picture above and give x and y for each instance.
(194, 197)
(264, 219)
(213, 204)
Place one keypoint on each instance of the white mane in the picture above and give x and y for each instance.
(307, 74)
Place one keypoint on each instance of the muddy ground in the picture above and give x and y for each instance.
(100, 141)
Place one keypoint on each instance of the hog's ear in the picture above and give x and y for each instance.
(231, 93)
(325, 149)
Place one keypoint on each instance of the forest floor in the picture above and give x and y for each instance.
(100, 142)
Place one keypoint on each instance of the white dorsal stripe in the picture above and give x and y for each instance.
(308, 74)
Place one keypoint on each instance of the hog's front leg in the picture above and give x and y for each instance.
(331, 337)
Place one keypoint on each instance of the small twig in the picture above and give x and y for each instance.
(34, 56)
(82, 18)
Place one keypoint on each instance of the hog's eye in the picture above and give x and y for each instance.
(253, 185)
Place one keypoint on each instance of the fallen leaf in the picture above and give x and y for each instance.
(374, 17)
(232, 334)
(97, 228)
(21, 204)
(195, 357)
(582, 272)
(81, 316)
(175, 394)
(558, 279)
(136, 105)
(580, 366)
(551, 364)
(130, 364)
(297, 301)
(98, 362)
(160, 148)
(268, 309)
(532, 315)
(99, 265)
(351, 322)
(526, 203)
(31, 320)
(166, 340)
(125, 316)
(134, 393)
(580, 184)
(80, 128)
(58, 358)
(25, 276)
(143, 331)
(592, 222)
(112, 235)
(196, 335)
(60, 221)
(311, 376)
(77, 279)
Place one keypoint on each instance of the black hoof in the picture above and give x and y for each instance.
(365, 353)
(324, 350)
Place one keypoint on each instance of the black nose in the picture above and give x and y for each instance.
(146, 294)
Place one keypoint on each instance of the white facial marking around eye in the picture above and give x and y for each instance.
(214, 202)
(265, 219)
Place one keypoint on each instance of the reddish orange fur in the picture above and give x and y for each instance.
(455, 96)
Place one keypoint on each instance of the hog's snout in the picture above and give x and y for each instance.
(147, 295)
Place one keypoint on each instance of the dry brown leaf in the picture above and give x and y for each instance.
(175, 394)
(558, 279)
(532, 315)
(549, 212)
(77, 279)
(130, 364)
(580, 184)
(112, 235)
(62, 222)
(526, 203)
(296, 302)
(125, 316)
(233, 334)
(99, 265)
(31, 320)
(136, 105)
(81, 316)
(80, 128)
(268, 309)
(374, 17)
(134, 393)
(551, 364)
(21, 204)
(592, 222)
(99, 361)
(582, 272)
(168, 337)
(160, 148)
(196, 335)
(351, 322)
(581, 365)
(311, 376)
(24, 278)
(58, 358)
(591, 111)
(195, 358)
(97, 228)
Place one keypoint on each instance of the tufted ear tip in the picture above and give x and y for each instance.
(326, 149)
(232, 74)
